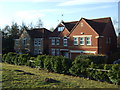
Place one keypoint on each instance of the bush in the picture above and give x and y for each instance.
(10, 57)
(60, 64)
(79, 66)
(114, 74)
(47, 63)
(39, 62)
(4, 57)
(31, 62)
(96, 59)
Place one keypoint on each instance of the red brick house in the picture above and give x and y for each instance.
(89, 36)
(33, 41)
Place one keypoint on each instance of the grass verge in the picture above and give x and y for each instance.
(25, 77)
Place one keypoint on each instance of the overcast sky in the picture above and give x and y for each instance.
(50, 11)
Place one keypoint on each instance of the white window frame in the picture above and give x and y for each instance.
(39, 42)
(57, 42)
(82, 41)
(53, 51)
(76, 41)
(65, 42)
(61, 28)
(53, 41)
(35, 51)
(35, 42)
(39, 51)
(57, 52)
(88, 40)
(25, 41)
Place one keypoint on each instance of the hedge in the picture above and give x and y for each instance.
(90, 66)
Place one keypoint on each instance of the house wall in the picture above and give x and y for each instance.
(109, 32)
(87, 30)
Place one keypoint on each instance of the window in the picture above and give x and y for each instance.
(39, 51)
(75, 40)
(53, 41)
(16, 42)
(88, 40)
(60, 28)
(35, 51)
(39, 43)
(53, 52)
(57, 52)
(24, 41)
(35, 42)
(57, 42)
(65, 42)
(81, 40)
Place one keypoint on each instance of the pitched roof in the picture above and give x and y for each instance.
(68, 25)
(98, 24)
(38, 32)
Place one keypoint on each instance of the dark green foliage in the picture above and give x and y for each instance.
(31, 62)
(3, 57)
(97, 59)
(10, 57)
(60, 64)
(39, 62)
(79, 66)
(114, 74)
(47, 63)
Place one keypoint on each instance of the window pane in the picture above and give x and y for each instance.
(81, 40)
(75, 41)
(65, 42)
(88, 40)
(53, 41)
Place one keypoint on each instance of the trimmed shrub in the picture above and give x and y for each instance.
(60, 64)
(39, 62)
(79, 66)
(47, 63)
(4, 57)
(31, 62)
(96, 59)
(114, 74)
(10, 57)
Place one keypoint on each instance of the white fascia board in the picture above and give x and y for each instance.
(64, 50)
(82, 36)
(81, 51)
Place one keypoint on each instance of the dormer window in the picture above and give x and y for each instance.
(60, 28)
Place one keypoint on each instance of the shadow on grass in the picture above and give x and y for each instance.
(28, 73)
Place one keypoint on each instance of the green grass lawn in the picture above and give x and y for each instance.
(25, 77)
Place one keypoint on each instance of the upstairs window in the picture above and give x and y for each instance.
(53, 41)
(57, 42)
(16, 42)
(81, 40)
(75, 40)
(24, 41)
(60, 28)
(39, 42)
(65, 42)
(88, 40)
(35, 42)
